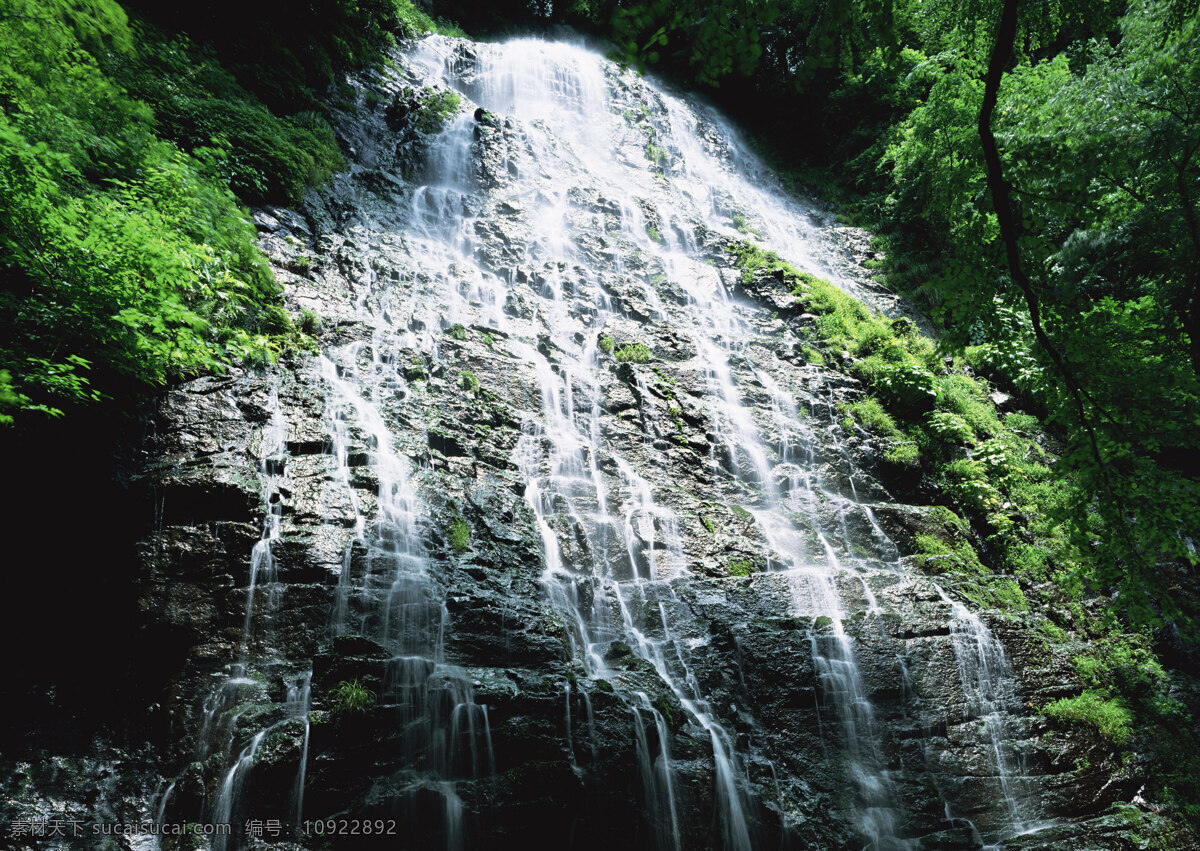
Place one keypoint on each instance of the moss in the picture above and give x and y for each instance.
(458, 534)
(811, 355)
(606, 344)
(997, 592)
(469, 381)
(742, 514)
(937, 555)
(823, 622)
(1001, 485)
(457, 331)
(739, 567)
(1109, 717)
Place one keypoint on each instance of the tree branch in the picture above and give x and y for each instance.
(1006, 216)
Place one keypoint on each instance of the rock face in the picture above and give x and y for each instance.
(559, 543)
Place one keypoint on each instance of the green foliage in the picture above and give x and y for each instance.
(350, 697)
(123, 262)
(811, 355)
(469, 381)
(310, 322)
(413, 22)
(871, 414)
(201, 107)
(968, 400)
(458, 535)
(1122, 662)
(717, 39)
(1102, 145)
(996, 592)
(457, 331)
(606, 344)
(936, 554)
(1021, 422)
(908, 386)
(632, 353)
(1109, 717)
(437, 107)
(950, 428)
(903, 454)
(288, 53)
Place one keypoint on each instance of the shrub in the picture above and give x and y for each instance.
(967, 482)
(909, 387)
(905, 454)
(469, 382)
(310, 322)
(437, 107)
(1021, 422)
(964, 397)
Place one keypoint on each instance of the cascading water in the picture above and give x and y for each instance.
(615, 190)
(568, 105)
(393, 600)
(561, 97)
(222, 725)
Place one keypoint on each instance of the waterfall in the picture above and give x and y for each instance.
(567, 105)
(571, 231)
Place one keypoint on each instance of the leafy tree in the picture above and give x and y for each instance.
(123, 262)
